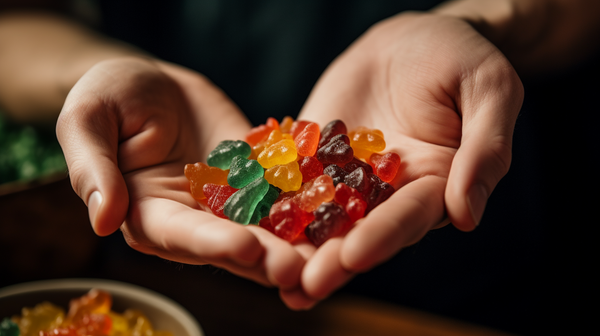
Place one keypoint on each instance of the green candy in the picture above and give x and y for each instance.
(9, 328)
(225, 151)
(240, 206)
(264, 206)
(243, 171)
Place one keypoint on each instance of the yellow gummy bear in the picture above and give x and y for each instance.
(287, 177)
(44, 316)
(280, 153)
(367, 139)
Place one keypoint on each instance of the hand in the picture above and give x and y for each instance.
(446, 100)
(127, 129)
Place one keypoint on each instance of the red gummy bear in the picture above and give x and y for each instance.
(288, 220)
(385, 166)
(310, 168)
(217, 196)
(308, 140)
(330, 220)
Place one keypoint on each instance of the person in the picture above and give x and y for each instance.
(440, 84)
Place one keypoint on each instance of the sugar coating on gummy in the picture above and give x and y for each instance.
(240, 206)
(225, 151)
(243, 171)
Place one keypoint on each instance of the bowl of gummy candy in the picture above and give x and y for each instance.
(74, 307)
(296, 179)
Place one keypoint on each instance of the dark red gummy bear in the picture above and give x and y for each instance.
(355, 163)
(359, 180)
(336, 151)
(310, 168)
(330, 220)
(343, 193)
(336, 172)
(288, 220)
(330, 130)
(217, 196)
(379, 192)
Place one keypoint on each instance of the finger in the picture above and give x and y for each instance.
(400, 221)
(324, 272)
(489, 105)
(296, 299)
(282, 263)
(171, 228)
(88, 134)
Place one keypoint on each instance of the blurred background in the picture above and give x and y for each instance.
(528, 269)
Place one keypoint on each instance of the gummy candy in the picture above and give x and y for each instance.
(330, 130)
(288, 220)
(310, 168)
(296, 176)
(385, 166)
(286, 176)
(89, 315)
(264, 206)
(336, 151)
(330, 220)
(240, 206)
(9, 328)
(199, 174)
(225, 151)
(217, 196)
(243, 171)
(308, 140)
(279, 153)
(315, 192)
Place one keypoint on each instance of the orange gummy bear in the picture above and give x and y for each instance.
(199, 174)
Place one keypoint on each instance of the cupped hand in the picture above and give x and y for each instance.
(446, 100)
(127, 129)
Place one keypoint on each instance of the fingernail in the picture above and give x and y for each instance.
(476, 200)
(93, 204)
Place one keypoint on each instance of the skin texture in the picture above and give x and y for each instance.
(437, 84)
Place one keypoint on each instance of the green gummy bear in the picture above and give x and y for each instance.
(240, 206)
(225, 151)
(243, 171)
(264, 206)
(9, 328)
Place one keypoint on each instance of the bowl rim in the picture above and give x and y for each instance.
(117, 287)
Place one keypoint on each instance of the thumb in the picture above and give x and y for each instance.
(489, 112)
(87, 131)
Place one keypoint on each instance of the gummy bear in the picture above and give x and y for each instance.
(385, 166)
(225, 151)
(366, 141)
(240, 206)
(343, 193)
(356, 208)
(243, 171)
(264, 206)
(265, 223)
(315, 192)
(286, 176)
(43, 316)
(379, 192)
(199, 174)
(217, 196)
(310, 168)
(359, 180)
(330, 220)
(337, 151)
(336, 172)
(286, 124)
(9, 328)
(355, 163)
(279, 153)
(307, 140)
(297, 127)
(330, 130)
(288, 220)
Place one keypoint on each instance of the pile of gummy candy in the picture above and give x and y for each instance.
(89, 315)
(294, 179)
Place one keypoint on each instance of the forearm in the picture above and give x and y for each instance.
(535, 35)
(41, 57)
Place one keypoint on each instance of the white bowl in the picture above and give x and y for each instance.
(163, 313)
